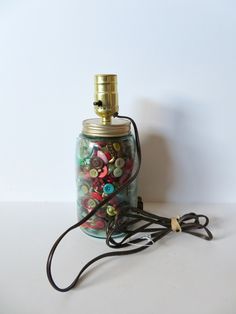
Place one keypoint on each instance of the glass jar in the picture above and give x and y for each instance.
(105, 161)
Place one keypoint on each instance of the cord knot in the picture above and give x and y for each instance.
(175, 226)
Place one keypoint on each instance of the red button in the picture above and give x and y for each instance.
(99, 224)
(97, 196)
(101, 213)
(108, 155)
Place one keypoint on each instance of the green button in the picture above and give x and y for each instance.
(120, 162)
(110, 168)
(84, 188)
(117, 172)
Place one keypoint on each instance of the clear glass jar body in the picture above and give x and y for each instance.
(103, 165)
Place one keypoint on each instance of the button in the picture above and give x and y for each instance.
(98, 185)
(93, 173)
(96, 162)
(108, 155)
(103, 173)
(120, 162)
(117, 172)
(116, 146)
(103, 156)
(99, 224)
(101, 213)
(96, 196)
(89, 203)
(112, 159)
(110, 168)
(108, 188)
(111, 211)
(84, 188)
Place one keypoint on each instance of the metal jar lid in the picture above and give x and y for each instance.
(118, 127)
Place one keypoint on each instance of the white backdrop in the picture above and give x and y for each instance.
(176, 67)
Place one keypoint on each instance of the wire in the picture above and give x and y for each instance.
(138, 227)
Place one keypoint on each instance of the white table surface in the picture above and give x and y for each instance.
(179, 274)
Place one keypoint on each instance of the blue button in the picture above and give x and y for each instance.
(108, 188)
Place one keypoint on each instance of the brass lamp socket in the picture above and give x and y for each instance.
(106, 97)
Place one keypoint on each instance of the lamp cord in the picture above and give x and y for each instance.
(138, 228)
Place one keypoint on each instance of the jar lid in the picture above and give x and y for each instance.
(117, 127)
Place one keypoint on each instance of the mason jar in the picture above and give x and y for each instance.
(105, 160)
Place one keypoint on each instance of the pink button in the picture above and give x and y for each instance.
(101, 155)
(103, 173)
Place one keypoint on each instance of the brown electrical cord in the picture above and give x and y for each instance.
(137, 227)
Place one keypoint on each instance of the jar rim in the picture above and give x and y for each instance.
(117, 127)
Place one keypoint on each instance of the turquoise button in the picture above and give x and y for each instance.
(108, 188)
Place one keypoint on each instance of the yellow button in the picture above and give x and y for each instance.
(116, 146)
(91, 203)
(111, 211)
(93, 173)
